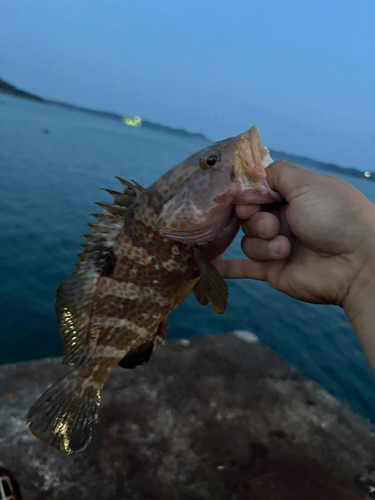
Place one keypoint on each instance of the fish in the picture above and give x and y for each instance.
(148, 250)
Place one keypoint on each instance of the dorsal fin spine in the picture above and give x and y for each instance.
(121, 199)
(126, 184)
(113, 209)
(142, 189)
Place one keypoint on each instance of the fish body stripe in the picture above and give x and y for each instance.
(127, 270)
(116, 336)
(98, 367)
(109, 351)
(143, 258)
(108, 287)
(123, 323)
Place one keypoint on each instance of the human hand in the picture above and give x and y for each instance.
(317, 247)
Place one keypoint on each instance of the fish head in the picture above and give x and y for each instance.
(200, 194)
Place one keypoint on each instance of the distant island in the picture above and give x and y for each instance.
(328, 167)
(9, 89)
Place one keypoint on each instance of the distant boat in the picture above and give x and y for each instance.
(132, 121)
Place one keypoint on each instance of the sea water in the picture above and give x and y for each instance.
(53, 163)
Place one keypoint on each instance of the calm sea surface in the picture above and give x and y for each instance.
(48, 186)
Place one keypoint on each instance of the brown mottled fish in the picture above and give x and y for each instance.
(147, 252)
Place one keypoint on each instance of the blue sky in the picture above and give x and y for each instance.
(304, 71)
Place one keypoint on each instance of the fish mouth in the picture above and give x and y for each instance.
(249, 187)
(249, 169)
(225, 236)
(251, 157)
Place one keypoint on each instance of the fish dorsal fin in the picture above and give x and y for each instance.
(75, 296)
(211, 288)
(123, 202)
(142, 353)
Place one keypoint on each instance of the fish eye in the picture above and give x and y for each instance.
(210, 161)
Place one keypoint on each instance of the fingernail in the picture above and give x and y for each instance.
(261, 229)
(274, 246)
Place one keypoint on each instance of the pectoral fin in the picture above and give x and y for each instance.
(200, 293)
(211, 287)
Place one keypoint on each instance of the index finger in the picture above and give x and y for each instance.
(241, 268)
(244, 212)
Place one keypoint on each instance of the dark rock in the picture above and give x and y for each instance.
(214, 418)
(279, 434)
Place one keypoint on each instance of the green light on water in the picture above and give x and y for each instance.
(132, 121)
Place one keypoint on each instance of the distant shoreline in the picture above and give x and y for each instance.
(329, 167)
(9, 89)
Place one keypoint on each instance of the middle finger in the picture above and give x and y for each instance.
(262, 225)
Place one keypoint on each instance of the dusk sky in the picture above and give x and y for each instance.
(304, 71)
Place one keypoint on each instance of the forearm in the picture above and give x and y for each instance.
(360, 310)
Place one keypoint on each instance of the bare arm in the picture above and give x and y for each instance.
(318, 247)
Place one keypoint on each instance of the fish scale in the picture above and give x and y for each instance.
(146, 253)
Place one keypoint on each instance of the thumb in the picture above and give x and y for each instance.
(287, 178)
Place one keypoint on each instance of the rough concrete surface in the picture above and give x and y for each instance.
(213, 418)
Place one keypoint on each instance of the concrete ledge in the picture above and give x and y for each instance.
(212, 418)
